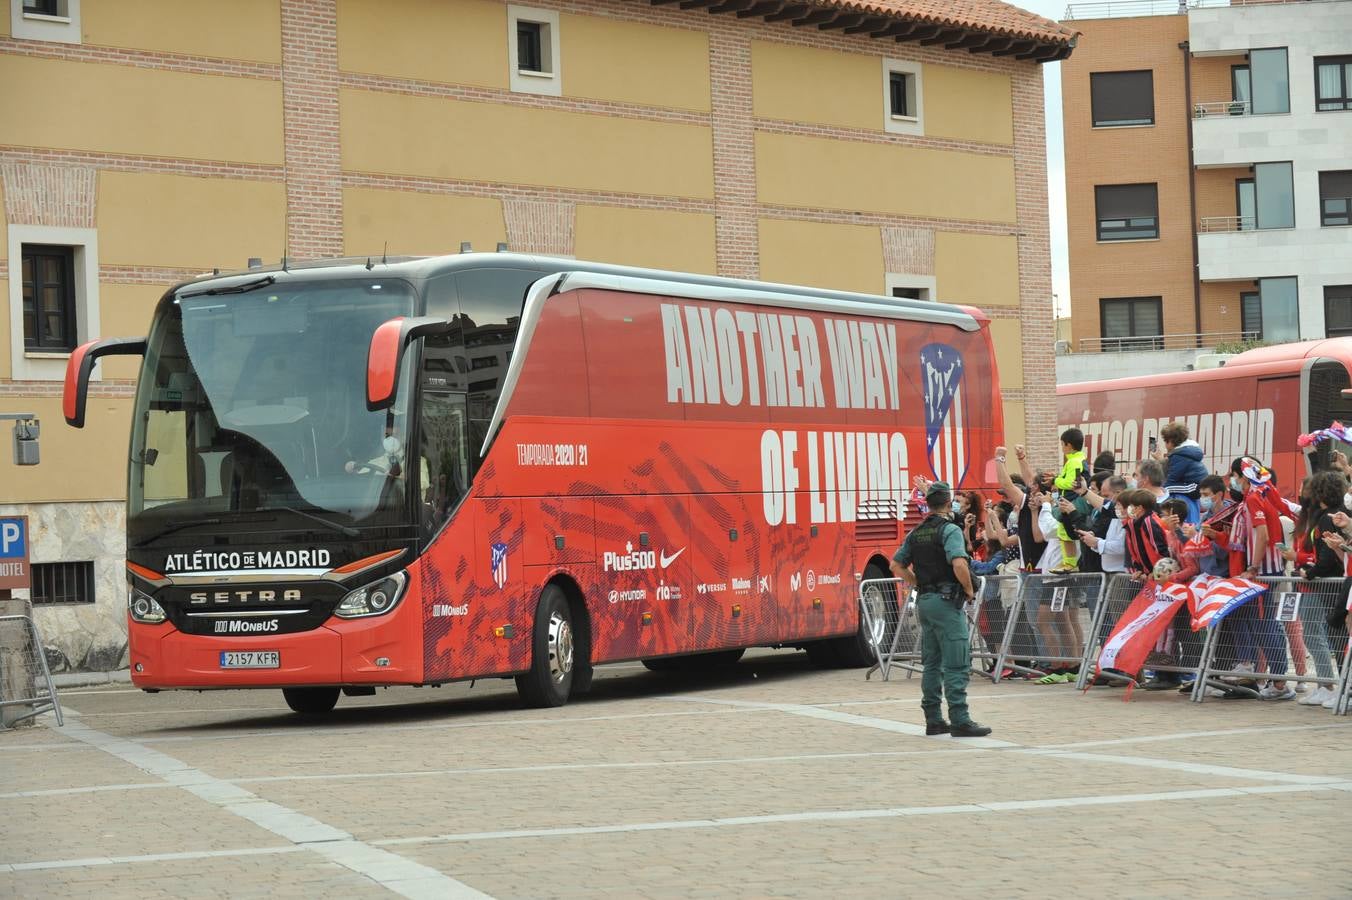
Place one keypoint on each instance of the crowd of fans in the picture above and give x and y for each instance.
(1172, 520)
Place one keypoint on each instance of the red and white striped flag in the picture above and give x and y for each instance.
(1214, 601)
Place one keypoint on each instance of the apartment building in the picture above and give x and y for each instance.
(1208, 172)
(894, 147)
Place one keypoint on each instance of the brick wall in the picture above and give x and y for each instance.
(541, 217)
(1157, 154)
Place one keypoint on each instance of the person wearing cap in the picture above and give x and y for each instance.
(933, 560)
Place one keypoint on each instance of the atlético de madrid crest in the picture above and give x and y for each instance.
(499, 564)
(946, 445)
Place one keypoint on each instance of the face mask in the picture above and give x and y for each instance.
(1236, 484)
(1131, 512)
(1205, 503)
(1347, 501)
(1131, 484)
(391, 444)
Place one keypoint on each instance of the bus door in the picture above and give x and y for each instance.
(1273, 429)
(1322, 384)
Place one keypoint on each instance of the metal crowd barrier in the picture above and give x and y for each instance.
(1049, 622)
(998, 599)
(26, 686)
(1343, 705)
(1184, 649)
(1280, 636)
(894, 627)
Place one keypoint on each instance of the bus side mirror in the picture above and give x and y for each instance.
(81, 364)
(388, 344)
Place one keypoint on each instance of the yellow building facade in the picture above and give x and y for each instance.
(881, 149)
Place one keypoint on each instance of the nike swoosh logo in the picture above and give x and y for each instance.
(668, 560)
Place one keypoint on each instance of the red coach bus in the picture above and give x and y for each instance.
(347, 475)
(1258, 403)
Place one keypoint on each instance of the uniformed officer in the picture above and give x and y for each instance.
(933, 559)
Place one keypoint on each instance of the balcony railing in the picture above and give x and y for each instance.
(1135, 343)
(1119, 9)
(1215, 224)
(1221, 108)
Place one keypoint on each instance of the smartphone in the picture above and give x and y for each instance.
(1154, 442)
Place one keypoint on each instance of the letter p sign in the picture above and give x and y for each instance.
(14, 553)
(12, 538)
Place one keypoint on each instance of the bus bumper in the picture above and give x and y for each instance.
(355, 652)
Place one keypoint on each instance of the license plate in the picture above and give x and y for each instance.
(251, 659)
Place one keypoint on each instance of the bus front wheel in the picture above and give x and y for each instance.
(550, 679)
(311, 701)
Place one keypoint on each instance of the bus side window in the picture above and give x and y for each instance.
(490, 309)
(443, 456)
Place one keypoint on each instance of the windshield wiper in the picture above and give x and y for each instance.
(177, 526)
(344, 530)
(243, 288)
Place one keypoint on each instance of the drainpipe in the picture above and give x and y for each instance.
(1192, 194)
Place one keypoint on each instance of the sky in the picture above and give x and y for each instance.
(1056, 161)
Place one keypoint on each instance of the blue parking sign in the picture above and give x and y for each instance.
(14, 552)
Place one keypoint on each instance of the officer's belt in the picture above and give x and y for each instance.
(937, 588)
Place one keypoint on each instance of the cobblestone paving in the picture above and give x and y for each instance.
(772, 779)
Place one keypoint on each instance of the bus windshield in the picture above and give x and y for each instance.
(253, 401)
(1328, 380)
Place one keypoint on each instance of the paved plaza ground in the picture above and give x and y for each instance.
(771, 779)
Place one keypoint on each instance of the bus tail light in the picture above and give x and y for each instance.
(374, 599)
(143, 607)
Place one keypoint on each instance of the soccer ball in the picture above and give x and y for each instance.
(1165, 569)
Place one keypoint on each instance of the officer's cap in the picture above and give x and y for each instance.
(937, 487)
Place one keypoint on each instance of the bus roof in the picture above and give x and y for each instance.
(1260, 360)
(421, 268)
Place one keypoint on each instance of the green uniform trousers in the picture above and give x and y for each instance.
(947, 658)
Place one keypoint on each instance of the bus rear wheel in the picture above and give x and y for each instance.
(313, 701)
(858, 649)
(550, 679)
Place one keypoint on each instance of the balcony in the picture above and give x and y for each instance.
(1122, 9)
(1209, 108)
(1220, 224)
(1193, 341)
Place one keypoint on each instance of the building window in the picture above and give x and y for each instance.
(65, 582)
(1335, 198)
(1269, 82)
(901, 90)
(1240, 89)
(1130, 323)
(1279, 302)
(45, 20)
(1274, 196)
(1127, 212)
(529, 54)
(533, 39)
(53, 278)
(903, 97)
(1122, 98)
(1251, 314)
(910, 287)
(1332, 83)
(48, 298)
(1338, 310)
(1246, 204)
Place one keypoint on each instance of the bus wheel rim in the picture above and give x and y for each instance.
(560, 647)
(877, 610)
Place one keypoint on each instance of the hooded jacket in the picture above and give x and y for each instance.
(1186, 469)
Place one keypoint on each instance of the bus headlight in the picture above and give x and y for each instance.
(144, 608)
(374, 599)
